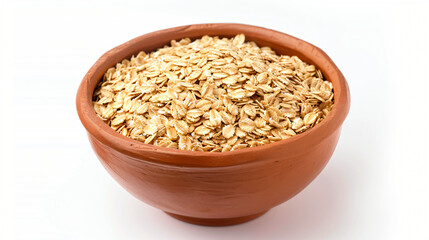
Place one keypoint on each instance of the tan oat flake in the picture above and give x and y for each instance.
(212, 94)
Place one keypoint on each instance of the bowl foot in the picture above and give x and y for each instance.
(216, 221)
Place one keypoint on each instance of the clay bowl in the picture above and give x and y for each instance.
(215, 188)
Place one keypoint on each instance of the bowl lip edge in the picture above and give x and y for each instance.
(104, 134)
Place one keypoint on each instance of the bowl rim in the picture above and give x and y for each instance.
(105, 135)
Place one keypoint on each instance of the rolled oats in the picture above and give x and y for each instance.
(212, 94)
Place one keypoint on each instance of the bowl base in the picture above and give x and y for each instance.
(216, 221)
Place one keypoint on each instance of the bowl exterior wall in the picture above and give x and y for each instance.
(218, 192)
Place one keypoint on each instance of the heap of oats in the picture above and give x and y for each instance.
(212, 94)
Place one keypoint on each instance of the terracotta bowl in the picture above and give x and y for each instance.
(215, 188)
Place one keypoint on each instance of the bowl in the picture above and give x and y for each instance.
(210, 188)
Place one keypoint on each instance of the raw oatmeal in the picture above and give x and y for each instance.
(212, 94)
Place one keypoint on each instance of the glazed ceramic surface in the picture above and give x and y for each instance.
(215, 188)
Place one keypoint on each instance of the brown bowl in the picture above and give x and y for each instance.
(215, 188)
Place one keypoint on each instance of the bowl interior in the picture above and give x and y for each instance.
(281, 43)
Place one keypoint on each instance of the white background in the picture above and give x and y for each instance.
(375, 186)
